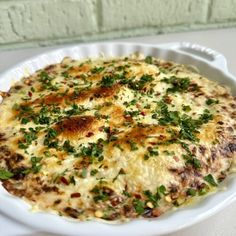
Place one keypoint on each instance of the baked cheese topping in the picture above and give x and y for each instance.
(115, 139)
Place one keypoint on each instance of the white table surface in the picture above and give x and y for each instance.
(222, 40)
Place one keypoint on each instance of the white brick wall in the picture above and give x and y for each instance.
(223, 10)
(125, 14)
(34, 22)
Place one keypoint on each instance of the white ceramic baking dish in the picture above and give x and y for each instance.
(209, 62)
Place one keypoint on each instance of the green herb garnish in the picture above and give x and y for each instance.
(28, 137)
(148, 59)
(46, 81)
(67, 147)
(121, 172)
(94, 151)
(210, 179)
(5, 174)
(36, 166)
(162, 190)
(186, 108)
(50, 138)
(178, 84)
(75, 110)
(153, 152)
(211, 101)
(100, 194)
(93, 172)
(140, 84)
(152, 197)
(191, 192)
(133, 146)
(97, 69)
(72, 180)
(108, 81)
(139, 206)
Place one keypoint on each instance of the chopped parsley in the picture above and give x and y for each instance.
(28, 137)
(72, 180)
(163, 70)
(43, 117)
(93, 172)
(75, 110)
(205, 117)
(108, 81)
(153, 151)
(36, 166)
(154, 198)
(67, 147)
(169, 153)
(139, 206)
(186, 108)
(5, 174)
(133, 146)
(166, 116)
(210, 179)
(25, 120)
(52, 133)
(121, 172)
(191, 192)
(203, 190)
(178, 84)
(97, 70)
(146, 157)
(132, 113)
(50, 138)
(100, 194)
(211, 101)
(125, 193)
(188, 128)
(190, 157)
(65, 74)
(140, 84)
(94, 151)
(148, 59)
(162, 190)
(193, 161)
(131, 103)
(46, 81)
(25, 113)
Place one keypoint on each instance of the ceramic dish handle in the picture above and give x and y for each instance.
(206, 54)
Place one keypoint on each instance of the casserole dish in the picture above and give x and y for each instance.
(210, 64)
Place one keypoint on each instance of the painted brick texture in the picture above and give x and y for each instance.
(37, 22)
(130, 14)
(223, 10)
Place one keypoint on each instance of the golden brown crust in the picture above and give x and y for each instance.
(76, 126)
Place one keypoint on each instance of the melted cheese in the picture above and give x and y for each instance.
(115, 139)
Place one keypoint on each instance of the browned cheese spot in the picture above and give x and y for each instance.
(209, 132)
(72, 97)
(150, 135)
(76, 126)
(106, 92)
(116, 114)
(76, 70)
